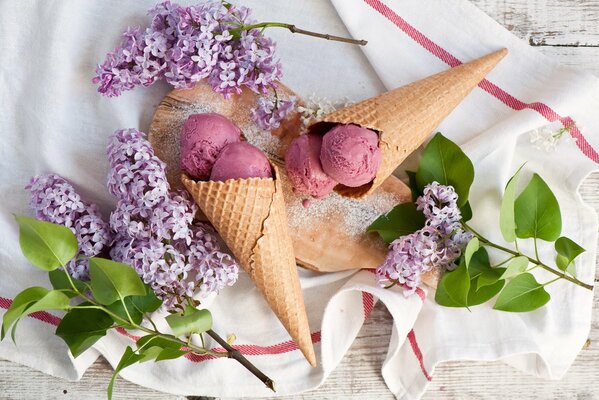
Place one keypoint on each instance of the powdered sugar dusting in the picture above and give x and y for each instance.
(353, 216)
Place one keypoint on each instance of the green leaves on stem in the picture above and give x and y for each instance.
(119, 298)
(533, 213)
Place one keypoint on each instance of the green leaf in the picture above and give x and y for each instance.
(481, 272)
(479, 263)
(444, 162)
(522, 294)
(111, 281)
(19, 305)
(413, 185)
(489, 277)
(47, 246)
(442, 297)
(507, 219)
(150, 353)
(466, 210)
(53, 300)
(128, 358)
(59, 281)
(118, 308)
(567, 250)
(471, 248)
(81, 328)
(192, 321)
(165, 341)
(147, 303)
(515, 267)
(537, 212)
(456, 285)
(32, 301)
(402, 220)
(136, 306)
(485, 293)
(170, 354)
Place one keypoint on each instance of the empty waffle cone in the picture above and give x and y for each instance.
(250, 216)
(405, 117)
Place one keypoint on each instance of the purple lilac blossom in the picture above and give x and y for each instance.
(155, 229)
(268, 114)
(437, 245)
(187, 44)
(55, 200)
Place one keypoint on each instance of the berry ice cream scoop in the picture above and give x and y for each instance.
(302, 161)
(203, 137)
(350, 155)
(241, 161)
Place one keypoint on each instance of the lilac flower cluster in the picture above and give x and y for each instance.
(438, 244)
(187, 44)
(155, 229)
(55, 200)
(268, 114)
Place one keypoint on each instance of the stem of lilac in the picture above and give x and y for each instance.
(503, 262)
(536, 250)
(560, 274)
(293, 29)
(231, 352)
(236, 355)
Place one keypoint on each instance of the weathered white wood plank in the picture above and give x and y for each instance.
(547, 22)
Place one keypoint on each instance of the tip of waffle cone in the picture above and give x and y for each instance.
(250, 216)
(406, 116)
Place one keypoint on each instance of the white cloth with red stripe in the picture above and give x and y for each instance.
(53, 120)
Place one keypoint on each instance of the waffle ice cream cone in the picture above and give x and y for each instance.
(250, 216)
(405, 117)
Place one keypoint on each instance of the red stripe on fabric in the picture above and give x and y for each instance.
(489, 87)
(245, 349)
(39, 315)
(418, 354)
(367, 303)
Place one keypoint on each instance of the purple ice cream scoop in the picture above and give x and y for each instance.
(241, 161)
(302, 161)
(350, 154)
(203, 137)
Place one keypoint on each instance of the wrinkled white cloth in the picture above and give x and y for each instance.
(52, 120)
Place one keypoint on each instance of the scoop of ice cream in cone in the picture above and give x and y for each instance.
(203, 137)
(244, 201)
(365, 142)
(347, 154)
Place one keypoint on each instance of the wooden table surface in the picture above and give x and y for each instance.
(568, 31)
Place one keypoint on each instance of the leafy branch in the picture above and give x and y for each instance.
(114, 297)
(534, 214)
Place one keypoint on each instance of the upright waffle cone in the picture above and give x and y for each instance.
(250, 216)
(405, 117)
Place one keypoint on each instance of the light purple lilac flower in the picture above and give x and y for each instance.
(187, 44)
(438, 244)
(55, 200)
(155, 229)
(268, 113)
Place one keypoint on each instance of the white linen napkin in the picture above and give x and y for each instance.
(53, 120)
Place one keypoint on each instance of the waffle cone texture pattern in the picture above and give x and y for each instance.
(405, 117)
(250, 216)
